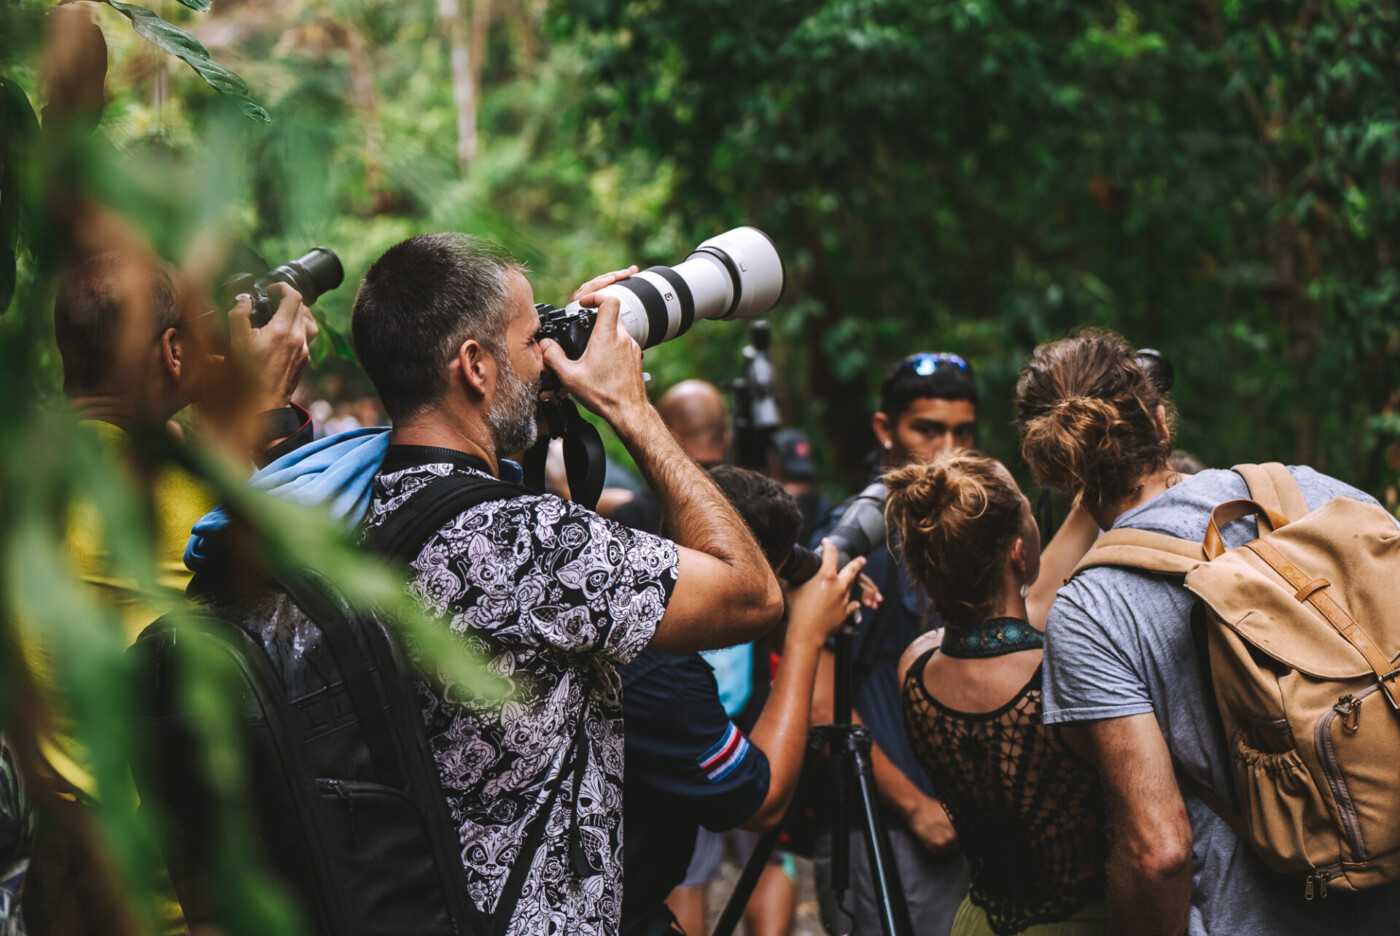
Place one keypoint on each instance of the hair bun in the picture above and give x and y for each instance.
(1069, 445)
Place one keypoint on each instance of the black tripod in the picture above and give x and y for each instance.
(853, 784)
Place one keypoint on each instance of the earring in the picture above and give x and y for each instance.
(1025, 592)
(888, 443)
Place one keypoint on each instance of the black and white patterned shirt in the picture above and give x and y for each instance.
(566, 597)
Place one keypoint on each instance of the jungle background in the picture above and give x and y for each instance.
(1216, 179)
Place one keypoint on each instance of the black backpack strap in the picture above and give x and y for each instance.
(403, 535)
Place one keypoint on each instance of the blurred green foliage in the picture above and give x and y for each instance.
(1214, 179)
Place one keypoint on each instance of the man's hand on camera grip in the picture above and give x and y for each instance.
(607, 378)
(276, 355)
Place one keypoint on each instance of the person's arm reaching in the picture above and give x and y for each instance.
(722, 568)
(815, 609)
(1058, 560)
(1149, 865)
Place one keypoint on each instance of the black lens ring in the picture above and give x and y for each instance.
(734, 279)
(657, 317)
(683, 295)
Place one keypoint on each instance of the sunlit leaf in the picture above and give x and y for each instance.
(188, 49)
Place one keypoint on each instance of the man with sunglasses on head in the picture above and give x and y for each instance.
(928, 405)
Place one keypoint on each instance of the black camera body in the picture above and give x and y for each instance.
(570, 327)
(313, 274)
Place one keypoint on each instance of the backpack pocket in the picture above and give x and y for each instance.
(384, 858)
(1280, 805)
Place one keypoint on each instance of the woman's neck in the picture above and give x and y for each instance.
(1149, 487)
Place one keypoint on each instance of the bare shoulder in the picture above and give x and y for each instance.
(921, 645)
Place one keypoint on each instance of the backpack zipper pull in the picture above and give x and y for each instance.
(1349, 707)
(1308, 888)
(1322, 878)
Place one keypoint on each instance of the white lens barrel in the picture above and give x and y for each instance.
(738, 274)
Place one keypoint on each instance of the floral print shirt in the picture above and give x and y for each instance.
(566, 597)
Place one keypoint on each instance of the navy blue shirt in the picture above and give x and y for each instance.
(687, 765)
(877, 696)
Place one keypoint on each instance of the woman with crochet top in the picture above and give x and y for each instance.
(1025, 802)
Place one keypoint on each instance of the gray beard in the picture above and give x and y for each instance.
(511, 418)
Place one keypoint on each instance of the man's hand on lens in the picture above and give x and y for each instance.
(818, 606)
(601, 280)
(276, 355)
(608, 377)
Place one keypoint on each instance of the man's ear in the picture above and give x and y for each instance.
(884, 430)
(1164, 431)
(172, 353)
(478, 367)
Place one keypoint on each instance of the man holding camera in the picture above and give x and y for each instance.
(136, 350)
(557, 596)
(928, 405)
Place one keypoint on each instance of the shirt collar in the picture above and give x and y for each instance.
(401, 457)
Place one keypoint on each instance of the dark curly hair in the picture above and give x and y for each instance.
(770, 512)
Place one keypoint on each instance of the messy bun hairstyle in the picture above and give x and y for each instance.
(1087, 416)
(957, 517)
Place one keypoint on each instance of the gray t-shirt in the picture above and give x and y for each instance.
(1119, 643)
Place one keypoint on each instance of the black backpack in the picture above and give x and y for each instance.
(343, 795)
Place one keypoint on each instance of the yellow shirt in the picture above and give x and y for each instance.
(177, 501)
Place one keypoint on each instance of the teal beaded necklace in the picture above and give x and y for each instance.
(991, 638)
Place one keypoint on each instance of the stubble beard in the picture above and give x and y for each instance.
(511, 417)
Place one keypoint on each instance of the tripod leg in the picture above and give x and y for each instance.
(894, 913)
(739, 899)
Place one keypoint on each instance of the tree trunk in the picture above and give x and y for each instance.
(464, 48)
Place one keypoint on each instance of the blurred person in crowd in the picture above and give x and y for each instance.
(928, 405)
(1120, 659)
(688, 765)
(1023, 799)
(791, 463)
(559, 597)
(136, 350)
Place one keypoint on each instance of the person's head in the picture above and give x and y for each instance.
(696, 414)
(1092, 424)
(447, 322)
(928, 405)
(770, 512)
(967, 530)
(120, 333)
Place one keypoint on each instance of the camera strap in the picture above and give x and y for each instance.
(585, 461)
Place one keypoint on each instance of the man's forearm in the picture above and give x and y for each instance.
(1145, 896)
(781, 730)
(696, 513)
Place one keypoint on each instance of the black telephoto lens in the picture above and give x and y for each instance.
(802, 564)
(313, 274)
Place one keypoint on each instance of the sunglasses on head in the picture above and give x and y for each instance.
(926, 364)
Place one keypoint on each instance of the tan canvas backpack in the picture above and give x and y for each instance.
(1303, 630)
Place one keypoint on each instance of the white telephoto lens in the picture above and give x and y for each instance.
(738, 274)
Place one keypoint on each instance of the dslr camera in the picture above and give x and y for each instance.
(313, 274)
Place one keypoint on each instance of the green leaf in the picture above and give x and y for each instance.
(18, 127)
(199, 6)
(181, 44)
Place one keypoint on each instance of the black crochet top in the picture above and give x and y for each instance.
(1028, 811)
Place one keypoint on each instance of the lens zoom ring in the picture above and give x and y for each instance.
(683, 295)
(655, 306)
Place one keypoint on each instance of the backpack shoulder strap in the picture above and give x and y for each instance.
(402, 535)
(1273, 485)
(1147, 552)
